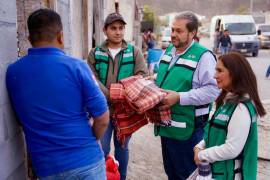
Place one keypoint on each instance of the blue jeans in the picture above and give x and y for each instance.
(96, 171)
(178, 156)
(121, 153)
(224, 50)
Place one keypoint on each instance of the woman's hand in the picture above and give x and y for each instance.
(196, 153)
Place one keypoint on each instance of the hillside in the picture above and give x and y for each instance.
(205, 7)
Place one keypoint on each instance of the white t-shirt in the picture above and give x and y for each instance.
(114, 52)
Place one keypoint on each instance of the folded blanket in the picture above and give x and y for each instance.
(135, 101)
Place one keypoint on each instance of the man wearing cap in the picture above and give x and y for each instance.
(112, 61)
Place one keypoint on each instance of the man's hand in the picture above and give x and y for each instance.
(170, 99)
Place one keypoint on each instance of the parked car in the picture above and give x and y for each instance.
(166, 38)
(263, 31)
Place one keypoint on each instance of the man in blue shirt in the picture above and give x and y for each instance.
(53, 96)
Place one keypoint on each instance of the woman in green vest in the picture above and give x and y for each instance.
(230, 141)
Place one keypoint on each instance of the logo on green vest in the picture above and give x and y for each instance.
(191, 56)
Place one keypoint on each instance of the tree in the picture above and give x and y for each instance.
(148, 18)
(148, 14)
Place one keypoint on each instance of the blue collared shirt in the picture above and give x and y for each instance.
(51, 94)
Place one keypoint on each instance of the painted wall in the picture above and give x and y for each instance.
(12, 165)
(77, 36)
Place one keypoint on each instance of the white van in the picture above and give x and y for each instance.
(242, 32)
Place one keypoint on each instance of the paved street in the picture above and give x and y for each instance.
(259, 65)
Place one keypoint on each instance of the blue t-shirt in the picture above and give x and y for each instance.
(53, 95)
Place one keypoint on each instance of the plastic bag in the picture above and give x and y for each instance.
(112, 165)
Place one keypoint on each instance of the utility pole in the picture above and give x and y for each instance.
(251, 6)
(116, 4)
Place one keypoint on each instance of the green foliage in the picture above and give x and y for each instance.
(148, 14)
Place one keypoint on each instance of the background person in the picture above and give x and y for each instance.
(151, 43)
(53, 95)
(186, 72)
(230, 142)
(114, 60)
(225, 42)
(144, 43)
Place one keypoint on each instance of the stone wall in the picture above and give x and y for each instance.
(12, 166)
(24, 8)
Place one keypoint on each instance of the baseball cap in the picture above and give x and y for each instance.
(114, 17)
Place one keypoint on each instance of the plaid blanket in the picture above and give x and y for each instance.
(135, 101)
(117, 92)
(142, 94)
(158, 115)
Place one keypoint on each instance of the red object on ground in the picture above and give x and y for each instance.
(112, 172)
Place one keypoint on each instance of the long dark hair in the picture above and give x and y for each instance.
(243, 81)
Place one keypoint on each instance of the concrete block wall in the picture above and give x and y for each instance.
(24, 8)
(71, 15)
(12, 166)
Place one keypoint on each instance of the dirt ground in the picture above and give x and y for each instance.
(145, 161)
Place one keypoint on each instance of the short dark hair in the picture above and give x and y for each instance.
(193, 22)
(43, 25)
(243, 80)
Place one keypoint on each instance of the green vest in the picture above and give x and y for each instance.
(125, 64)
(179, 78)
(215, 135)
